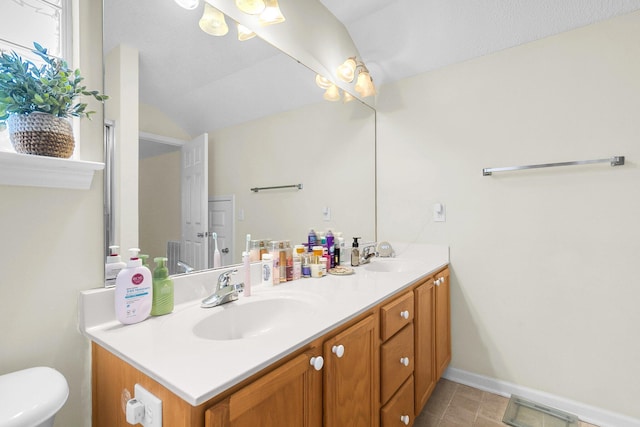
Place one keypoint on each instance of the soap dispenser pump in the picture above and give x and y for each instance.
(112, 267)
(355, 253)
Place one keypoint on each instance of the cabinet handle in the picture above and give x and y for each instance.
(404, 314)
(317, 362)
(404, 361)
(404, 419)
(338, 350)
(437, 282)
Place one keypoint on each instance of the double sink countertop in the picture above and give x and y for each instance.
(198, 353)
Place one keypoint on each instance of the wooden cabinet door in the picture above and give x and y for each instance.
(443, 322)
(291, 395)
(351, 376)
(424, 324)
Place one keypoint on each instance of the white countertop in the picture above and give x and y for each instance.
(196, 369)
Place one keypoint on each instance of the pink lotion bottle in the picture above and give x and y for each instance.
(134, 291)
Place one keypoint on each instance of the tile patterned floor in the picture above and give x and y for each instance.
(458, 405)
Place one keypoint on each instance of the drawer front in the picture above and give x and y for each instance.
(396, 362)
(399, 411)
(396, 315)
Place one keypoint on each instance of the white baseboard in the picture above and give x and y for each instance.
(586, 413)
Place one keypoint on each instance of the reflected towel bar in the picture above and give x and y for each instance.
(256, 189)
(614, 161)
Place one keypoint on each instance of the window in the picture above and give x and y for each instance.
(47, 22)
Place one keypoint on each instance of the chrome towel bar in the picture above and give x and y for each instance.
(256, 189)
(614, 161)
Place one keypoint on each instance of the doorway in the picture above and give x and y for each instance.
(222, 221)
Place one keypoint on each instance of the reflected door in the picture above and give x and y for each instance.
(221, 222)
(195, 179)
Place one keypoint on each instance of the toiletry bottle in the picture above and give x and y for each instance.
(134, 291)
(355, 253)
(246, 261)
(283, 262)
(145, 260)
(162, 289)
(275, 256)
(306, 265)
(267, 268)
(312, 239)
(339, 248)
(113, 266)
(331, 249)
(289, 257)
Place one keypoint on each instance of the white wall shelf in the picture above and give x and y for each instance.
(50, 172)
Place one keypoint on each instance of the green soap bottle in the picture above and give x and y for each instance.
(162, 289)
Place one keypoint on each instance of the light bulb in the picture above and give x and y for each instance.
(348, 97)
(322, 82)
(244, 33)
(213, 22)
(252, 7)
(347, 70)
(271, 13)
(332, 93)
(188, 4)
(364, 84)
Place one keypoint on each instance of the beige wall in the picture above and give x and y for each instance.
(51, 250)
(154, 121)
(159, 203)
(327, 147)
(545, 262)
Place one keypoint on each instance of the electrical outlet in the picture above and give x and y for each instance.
(152, 407)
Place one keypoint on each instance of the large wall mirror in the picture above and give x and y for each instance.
(264, 124)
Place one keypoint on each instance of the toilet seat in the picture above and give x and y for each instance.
(31, 396)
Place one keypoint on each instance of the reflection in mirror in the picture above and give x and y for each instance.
(266, 123)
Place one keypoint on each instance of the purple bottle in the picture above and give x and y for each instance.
(331, 248)
(312, 240)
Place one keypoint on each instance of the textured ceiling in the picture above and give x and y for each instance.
(207, 82)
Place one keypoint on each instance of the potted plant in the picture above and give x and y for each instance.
(37, 102)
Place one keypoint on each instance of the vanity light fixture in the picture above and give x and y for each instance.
(347, 71)
(213, 22)
(251, 7)
(271, 13)
(188, 4)
(347, 97)
(244, 33)
(332, 93)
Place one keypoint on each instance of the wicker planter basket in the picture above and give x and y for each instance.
(41, 134)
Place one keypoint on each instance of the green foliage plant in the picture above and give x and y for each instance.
(51, 88)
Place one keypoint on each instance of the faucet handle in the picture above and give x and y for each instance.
(225, 278)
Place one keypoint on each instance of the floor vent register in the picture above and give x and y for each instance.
(525, 413)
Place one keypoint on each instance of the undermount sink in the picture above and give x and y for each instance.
(249, 319)
(391, 265)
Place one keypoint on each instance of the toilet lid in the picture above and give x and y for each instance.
(31, 396)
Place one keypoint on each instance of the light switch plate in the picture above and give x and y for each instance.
(152, 407)
(326, 213)
(439, 214)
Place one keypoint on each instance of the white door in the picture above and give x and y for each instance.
(195, 189)
(221, 221)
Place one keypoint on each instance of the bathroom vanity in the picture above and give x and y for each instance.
(359, 350)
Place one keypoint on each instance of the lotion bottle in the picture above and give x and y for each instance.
(134, 291)
(355, 253)
(112, 267)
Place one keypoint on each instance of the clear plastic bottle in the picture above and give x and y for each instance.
(282, 253)
(312, 239)
(267, 269)
(289, 260)
(274, 251)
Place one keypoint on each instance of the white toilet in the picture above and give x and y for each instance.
(31, 397)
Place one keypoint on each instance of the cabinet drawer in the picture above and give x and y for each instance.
(396, 362)
(399, 411)
(395, 315)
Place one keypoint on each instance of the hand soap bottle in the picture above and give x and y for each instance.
(355, 253)
(112, 267)
(134, 291)
(162, 289)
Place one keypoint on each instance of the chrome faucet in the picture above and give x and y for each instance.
(186, 267)
(225, 292)
(367, 252)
